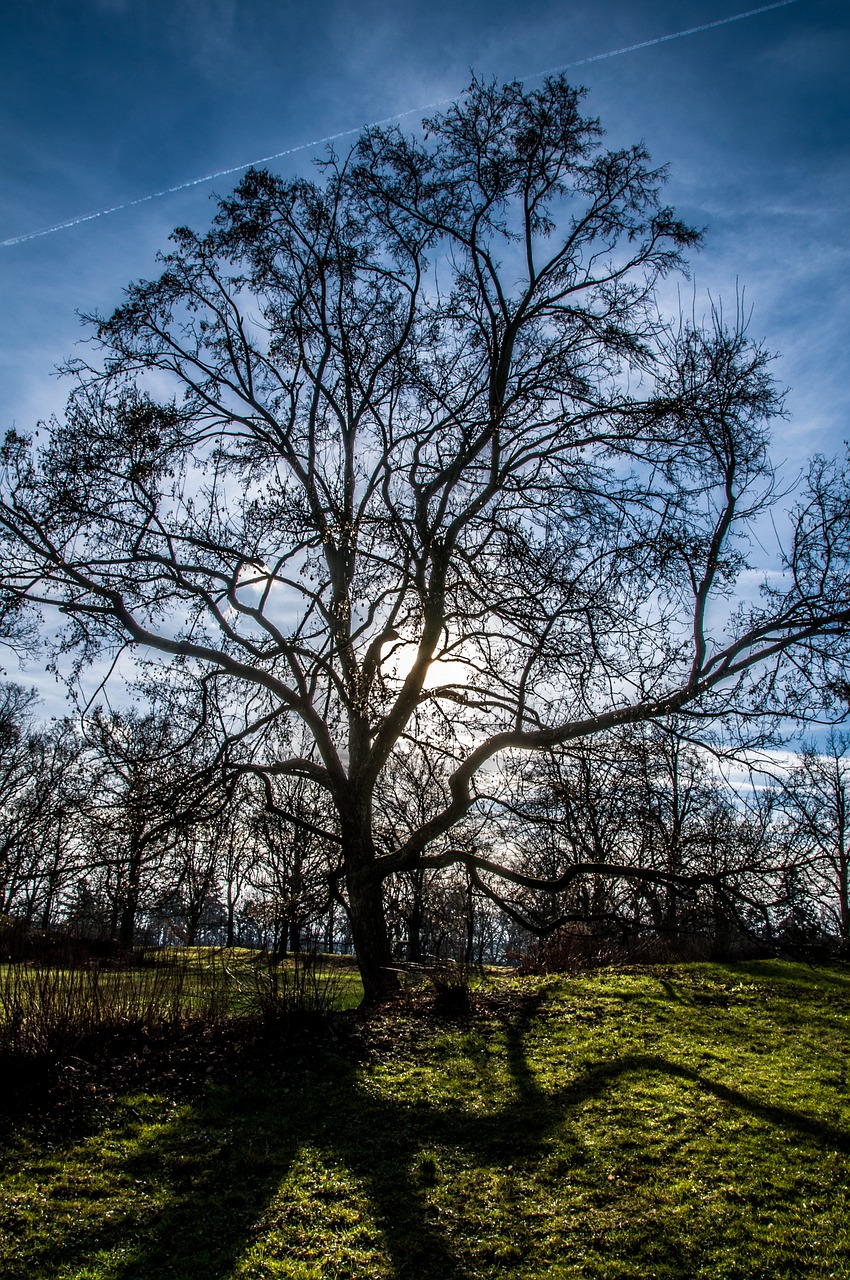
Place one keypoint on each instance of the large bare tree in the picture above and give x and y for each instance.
(407, 458)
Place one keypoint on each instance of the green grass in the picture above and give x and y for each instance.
(688, 1122)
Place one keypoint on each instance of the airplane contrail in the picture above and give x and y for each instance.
(674, 35)
(399, 115)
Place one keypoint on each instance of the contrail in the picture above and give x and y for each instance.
(674, 35)
(399, 115)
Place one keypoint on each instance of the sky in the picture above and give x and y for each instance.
(103, 102)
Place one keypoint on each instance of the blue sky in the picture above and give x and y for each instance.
(104, 101)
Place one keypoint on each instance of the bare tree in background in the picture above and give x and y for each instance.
(44, 788)
(293, 864)
(16, 780)
(407, 454)
(816, 800)
(149, 792)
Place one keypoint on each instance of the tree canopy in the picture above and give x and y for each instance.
(407, 466)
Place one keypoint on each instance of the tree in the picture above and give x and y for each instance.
(638, 832)
(16, 792)
(43, 783)
(150, 793)
(680, 809)
(59, 789)
(407, 454)
(292, 868)
(572, 806)
(816, 800)
(236, 858)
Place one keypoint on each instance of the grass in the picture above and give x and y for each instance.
(680, 1122)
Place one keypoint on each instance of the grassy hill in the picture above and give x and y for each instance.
(688, 1121)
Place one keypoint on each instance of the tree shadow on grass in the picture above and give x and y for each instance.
(224, 1159)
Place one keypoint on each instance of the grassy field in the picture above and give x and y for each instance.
(686, 1122)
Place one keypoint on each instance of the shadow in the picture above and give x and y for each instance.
(219, 1190)
(793, 973)
(669, 990)
(523, 1078)
(221, 1161)
(597, 1080)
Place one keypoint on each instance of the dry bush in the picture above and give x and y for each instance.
(450, 980)
(578, 948)
(293, 989)
(51, 1011)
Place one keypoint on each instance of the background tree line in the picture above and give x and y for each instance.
(116, 830)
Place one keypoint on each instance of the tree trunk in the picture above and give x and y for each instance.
(370, 936)
(415, 918)
(130, 899)
(329, 928)
(47, 911)
(470, 925)
(844, 899)
(414, 935)
(843, 863)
